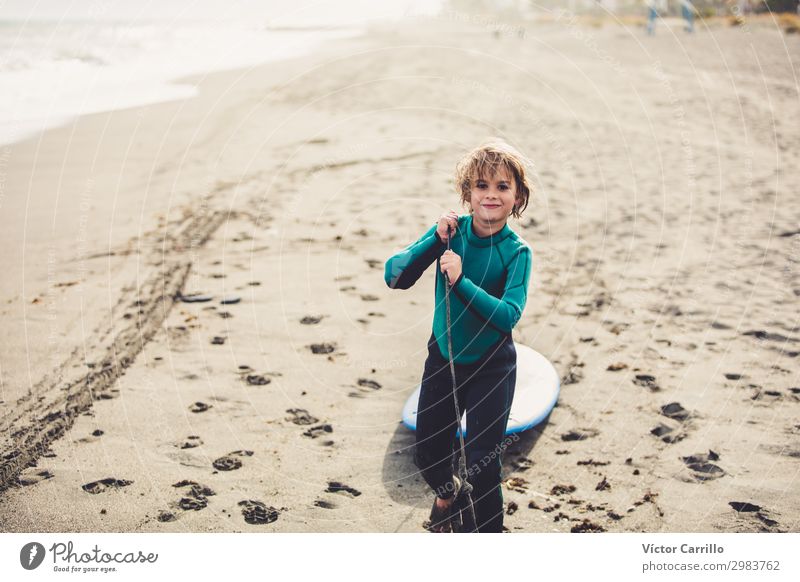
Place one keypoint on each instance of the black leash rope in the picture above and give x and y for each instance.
(462, 459)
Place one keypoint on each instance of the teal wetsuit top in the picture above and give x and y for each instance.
(487, 299)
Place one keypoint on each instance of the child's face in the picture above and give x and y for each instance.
(492, 198)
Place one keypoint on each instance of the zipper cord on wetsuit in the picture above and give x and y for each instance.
(462, 459)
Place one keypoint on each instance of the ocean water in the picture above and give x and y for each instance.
(51, 72)
(59, 60)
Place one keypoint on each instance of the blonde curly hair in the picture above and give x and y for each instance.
(485, 161)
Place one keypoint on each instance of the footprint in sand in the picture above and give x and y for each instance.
(756, 510)
(194, 298)
(675, 411)
(257, 513)
(593, 463)
(647, 381)
(301, 417)
(311, 319)
(366, 383)
(587, 526)
(324, 504)
(580, 434)
(323, 348)
(765, 396)
(248, 375)
(217, 340)
(256, 380)
(365, 386)
(603, 485)
(191, 504)
(743, 506)
(768, 335)
(230, 462)
(319, 430)
(196, 497)
(336, 487)
(199, 407)
(96, 487)
(702, 468)
(191, 442)
(27, 480)
(667, 433)
(562, 489)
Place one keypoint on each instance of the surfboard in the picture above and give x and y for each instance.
(535, 394)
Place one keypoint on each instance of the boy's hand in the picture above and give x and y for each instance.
(448, 220)
(450, 262)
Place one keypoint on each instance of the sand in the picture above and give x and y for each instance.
(665, 286)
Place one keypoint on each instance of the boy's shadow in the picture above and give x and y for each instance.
(404, 482)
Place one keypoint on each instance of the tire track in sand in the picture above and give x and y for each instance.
(50, 408)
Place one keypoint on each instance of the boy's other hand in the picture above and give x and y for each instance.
(451, 263)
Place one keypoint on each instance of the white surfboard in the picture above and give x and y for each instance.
(535, 394)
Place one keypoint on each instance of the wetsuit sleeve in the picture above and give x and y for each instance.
(403, 269)
(503, 313)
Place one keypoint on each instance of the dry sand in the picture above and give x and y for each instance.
(666, 255)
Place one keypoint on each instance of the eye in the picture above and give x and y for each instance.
(481, 185)
(504, 187)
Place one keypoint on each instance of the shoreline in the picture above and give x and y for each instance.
(182, 86)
